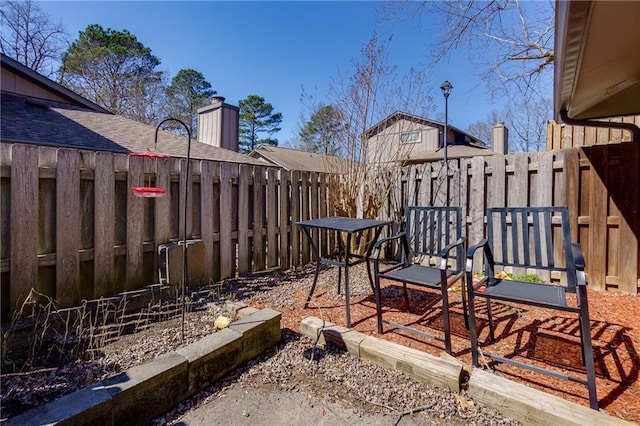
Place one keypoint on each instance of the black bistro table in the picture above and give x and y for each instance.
(342, 226)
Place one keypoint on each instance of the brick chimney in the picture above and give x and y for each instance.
(218, 124)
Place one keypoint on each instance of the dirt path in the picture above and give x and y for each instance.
(246, 406)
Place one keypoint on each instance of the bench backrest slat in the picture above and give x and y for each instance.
(430, 229)
(531, 237)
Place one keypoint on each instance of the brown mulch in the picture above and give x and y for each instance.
(546, 338)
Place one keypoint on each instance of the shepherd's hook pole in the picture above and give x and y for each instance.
(184, 226)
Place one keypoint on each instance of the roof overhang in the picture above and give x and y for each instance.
(29, 74)
(597, 71)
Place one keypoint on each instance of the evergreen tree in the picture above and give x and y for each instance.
(257, 116)
(322, 132)
(188, 92)
(114, 70)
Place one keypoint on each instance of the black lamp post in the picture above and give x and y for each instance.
(184, 229)
(446, 90)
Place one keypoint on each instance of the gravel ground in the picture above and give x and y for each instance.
(336, 387)
(316, 383)
(305, 375)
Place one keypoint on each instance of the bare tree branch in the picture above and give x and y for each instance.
(508, 39)
(30, 36)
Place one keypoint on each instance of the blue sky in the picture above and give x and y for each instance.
(273, 49)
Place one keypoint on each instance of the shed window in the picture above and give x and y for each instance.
(410, 137)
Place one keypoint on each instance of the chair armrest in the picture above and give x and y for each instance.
(578, 256)
(380, 243)
(444, 253)
(471, 251)
(578, 260)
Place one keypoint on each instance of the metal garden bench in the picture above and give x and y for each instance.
(433, 250)
(531, 239)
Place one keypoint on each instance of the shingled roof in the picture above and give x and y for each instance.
(41, 122)
(293, 159)
(453, 151)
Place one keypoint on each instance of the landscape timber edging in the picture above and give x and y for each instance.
(514, 400)
(532, 406)
(425, 367)
(146, 391)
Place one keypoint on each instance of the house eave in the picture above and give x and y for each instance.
(54, 87)
(597, 72)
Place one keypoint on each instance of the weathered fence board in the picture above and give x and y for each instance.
(162, 232)
(68, 227)
(134, 226)
(207, 205)
(244, 209)
(283, 217)
(476, 201)
(258, 219)
(304, 213)
(322, 193)
(598, 213)
(424, 193)
(313, 176)
(628, 244)
(216, 213)
(272, 219)
(104, 224)
(227, 248)
(24, 220)
(295, 217)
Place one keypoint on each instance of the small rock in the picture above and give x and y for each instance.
(221, 322)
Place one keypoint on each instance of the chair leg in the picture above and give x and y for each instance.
(406, 296)
(491, 330)
(315, 281)
(473, 338)
(378, 296)
(341, 252)
(587, 350)
(587, 346)
(445, 316)
(463, 292)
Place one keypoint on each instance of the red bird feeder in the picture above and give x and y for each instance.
(148, 191)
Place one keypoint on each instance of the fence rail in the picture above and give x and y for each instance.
(72, 229)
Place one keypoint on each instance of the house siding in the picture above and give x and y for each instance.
(386, 144)
(13, 83)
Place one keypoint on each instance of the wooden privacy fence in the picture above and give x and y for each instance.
(560, 135)
(72, 229)
(599, 184)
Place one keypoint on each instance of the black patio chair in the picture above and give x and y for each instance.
(538, 240)
(432, 257)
